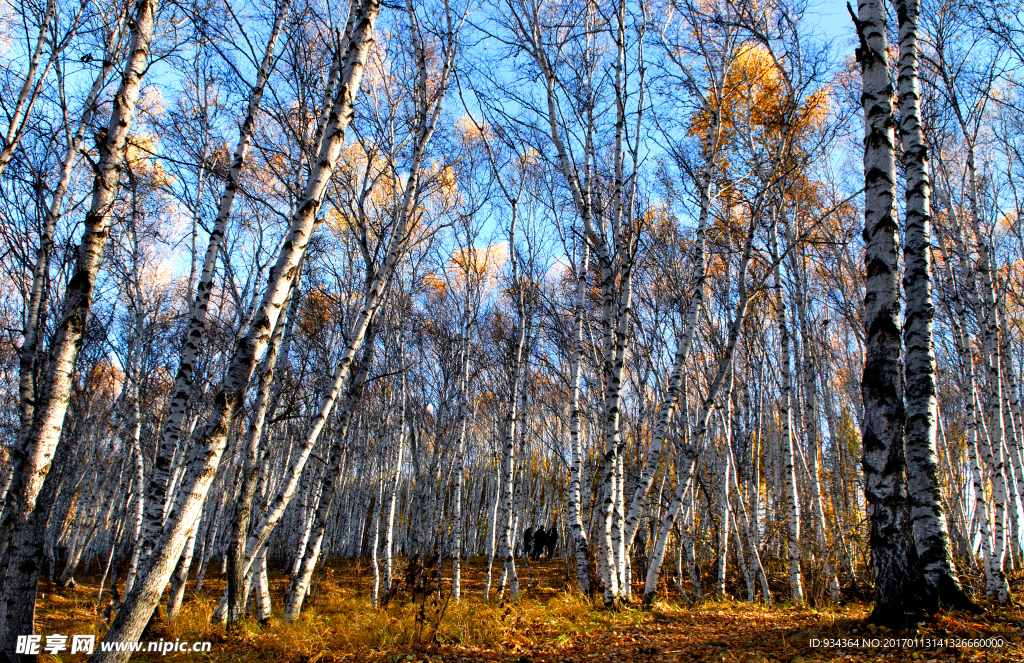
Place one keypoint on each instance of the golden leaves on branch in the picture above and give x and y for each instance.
(755, 95)
(477, 266)
(471, 132)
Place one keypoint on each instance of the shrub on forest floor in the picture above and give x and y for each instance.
(339, 622)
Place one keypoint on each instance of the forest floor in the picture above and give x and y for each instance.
(548, 624)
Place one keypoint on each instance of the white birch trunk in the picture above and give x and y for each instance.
(139, 604)
(389, 528)
(893, 554)
(792, 502)
(723, 518)
(581, 546)
(931, 532)
(157, 502)
(23, 524)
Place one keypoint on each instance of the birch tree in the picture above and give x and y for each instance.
(24, 523)
(898, 595)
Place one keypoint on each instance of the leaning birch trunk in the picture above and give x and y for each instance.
(24, 521)
(180, 578)
(931, 534)
(140, 484)
(40, 271)
(688, 455)
(792, 502)
(30, 89)
(239, 523)
(898, 600)
(203, 462)
(299, 586)
(156, 503)
(264, 608)
(306, 512)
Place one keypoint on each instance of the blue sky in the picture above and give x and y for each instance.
(833, 19)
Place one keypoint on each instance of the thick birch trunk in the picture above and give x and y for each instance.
(24, 522)
(898, 596)
(931, 533)
(264, 607)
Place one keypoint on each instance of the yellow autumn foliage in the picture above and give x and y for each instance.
(471, 132)
(755, 95)
(477, 265)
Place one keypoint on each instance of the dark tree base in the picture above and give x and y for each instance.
(904, 608)
(950, 596)
(898, 616)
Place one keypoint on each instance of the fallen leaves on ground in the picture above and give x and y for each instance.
(547, 624)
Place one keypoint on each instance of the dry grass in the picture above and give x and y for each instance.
(548, 623)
